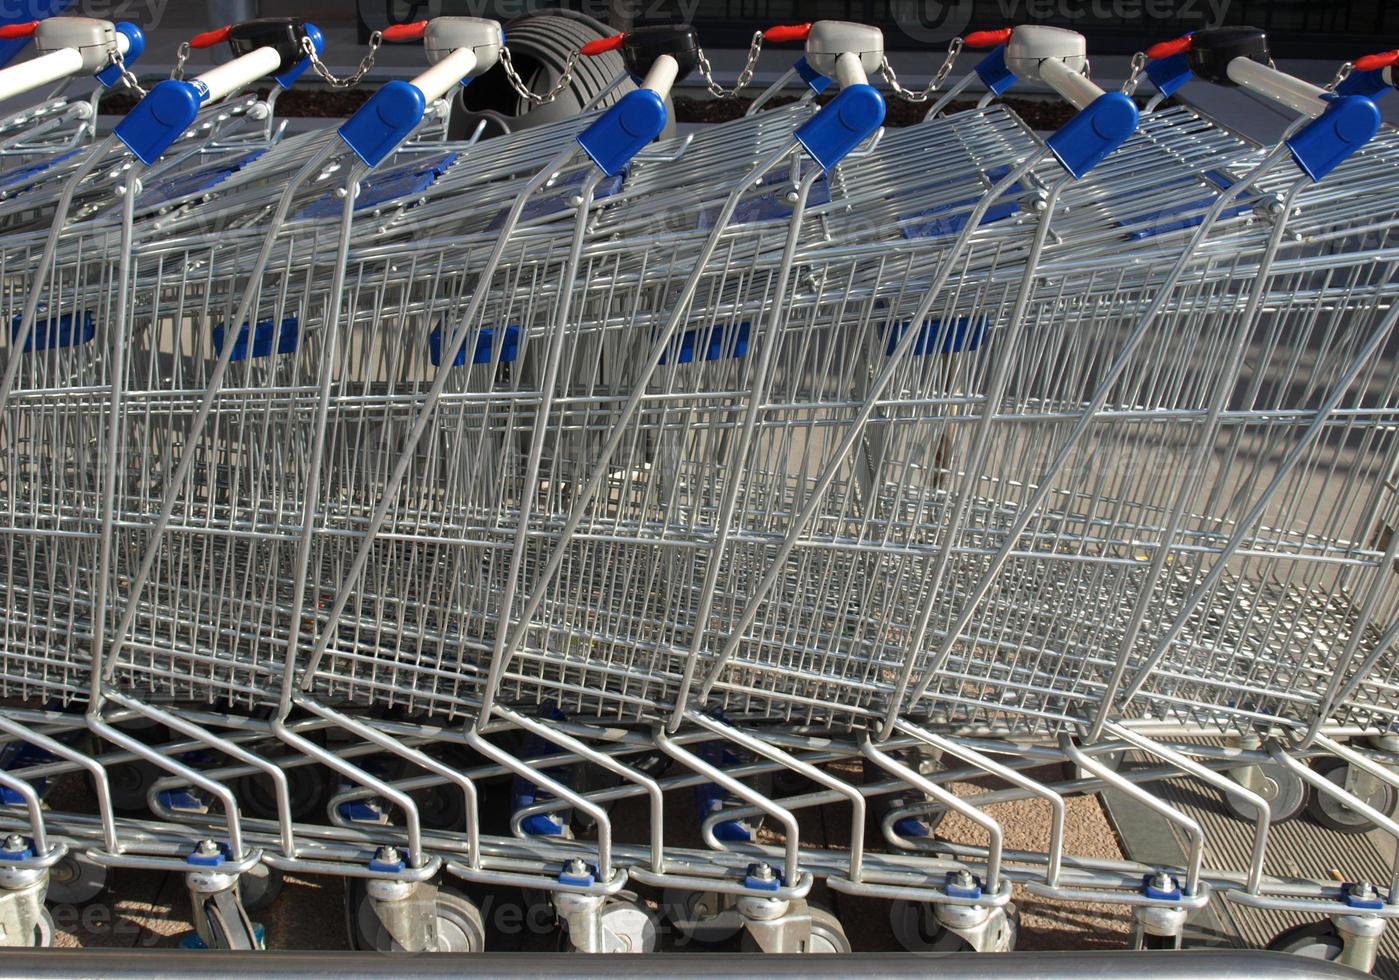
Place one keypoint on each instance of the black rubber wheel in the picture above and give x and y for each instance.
(229, 926)
(916, 928)
(306, 788)
(628, 926)
(1313, 940)
(44, 930)
(76, 880)
(1335, 815)
(1285, 793)
(460, 928)
(1150, 941)
(259, 887)
(827, 935)
(706, 918)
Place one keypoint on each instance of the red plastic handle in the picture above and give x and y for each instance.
(11, 31)
(603, 45)
(210, 38)
(406, 32)
(784, 33)
(1373, 62)
(1169, 49)
(987, 39)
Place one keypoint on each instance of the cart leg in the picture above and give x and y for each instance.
(1361, 936)
(220, 921)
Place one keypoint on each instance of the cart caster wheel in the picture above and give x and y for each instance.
(259, 887)
(306, 791)
(228, 924)
(460, 928)
(44, 930)
(1313, 940)
(130, 783)
(1335, 815)
(917, 928)
(76, 880)
(1149, 941)
(1285, 793)
(628, 926)
(827, 935)
(707, 918)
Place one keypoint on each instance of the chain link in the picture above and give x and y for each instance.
(350, 81)
(755, 48)
(887, 70)
(1342, 73)
(1129, 87)
(181, 56)
(127, 77)
(524, 91)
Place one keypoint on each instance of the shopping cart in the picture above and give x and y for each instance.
(452, 466)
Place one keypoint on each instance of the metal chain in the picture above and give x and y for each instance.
(755, 48)
(1342, 74)
(350, 81)
(181, 56)
(1139, 61)
(523, 90)
(127, 77)
(887, 70)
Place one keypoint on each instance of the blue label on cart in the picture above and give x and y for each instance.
(486, 347)
(964, 333)
(395, 184)
(948, 219)
(65, 331)
(21, 174)
(775, 205)
(266, 339)
(560, 196)
(195, 182)
(716, 343)
(1168, 219)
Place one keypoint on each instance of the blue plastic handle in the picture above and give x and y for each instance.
(624, 130)
(1085, 140)
(1349, 122)
(843, 124)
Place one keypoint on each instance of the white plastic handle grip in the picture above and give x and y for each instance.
(850, 70)
(662, 75)
(438, 80)
(47, 69)
(1076, 89)
(240, 72)
(1304, 97)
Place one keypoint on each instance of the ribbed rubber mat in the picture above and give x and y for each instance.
(1298, 848)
